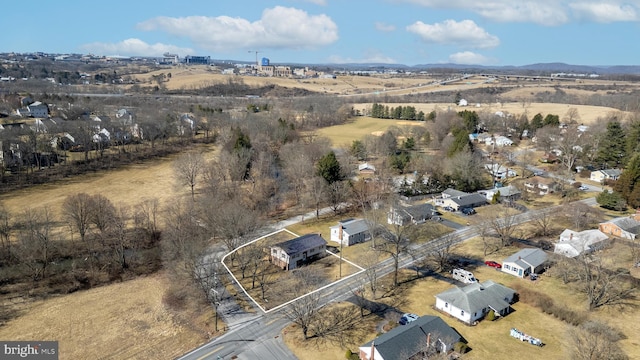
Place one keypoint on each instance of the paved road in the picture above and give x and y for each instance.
(258, 337)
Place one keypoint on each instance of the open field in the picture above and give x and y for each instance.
(123, 321)
(588, 114)
(343, 135)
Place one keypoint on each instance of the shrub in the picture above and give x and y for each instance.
(460, 347)
(491, 315)
(348, 354)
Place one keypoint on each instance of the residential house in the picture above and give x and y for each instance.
(351, 231)
(622, 227)
(505, 193)
(573, 243)
(38, 110)
(503, 141)
(366, 168)
(607, 174)
(416, 214)
(463, 102)
(472, 302)
(449, 193)
(464, 201)
(500, 172)
(525, 262)
(407, 341)
(292, 254)
(539, 185)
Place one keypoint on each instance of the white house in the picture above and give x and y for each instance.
(472, 302)
(525, 262)
(607, 174)
(572, 243)
(505, 193)
(500, 172)
(351, 231)
(503, 141)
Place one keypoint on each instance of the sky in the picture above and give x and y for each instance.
(407, 32)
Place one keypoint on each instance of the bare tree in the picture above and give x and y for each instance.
(188, 168)
(303, 311)
(316, 189)
(594, 340)
(6, 228)
(603, 286)
(503, 222)
(370, 263)
(36, 242)
(440, 256)
(78, 211)
(118, 234)
(146, 216)
(543, 221)
(233, 222)
(581, 215)
(396, 241)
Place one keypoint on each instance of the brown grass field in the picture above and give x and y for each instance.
(121, 321)
(343, 135)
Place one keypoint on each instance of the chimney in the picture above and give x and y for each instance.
(428, 340)
(570, 236)
(373, 350)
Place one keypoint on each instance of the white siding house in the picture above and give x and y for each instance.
(525, 262)
(351, 231)
(472, 302)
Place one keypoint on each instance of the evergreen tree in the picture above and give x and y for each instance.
(633, 138)
(612, 147)
(628, 185)
(551, 119)
(460, 143)
(328, 168)
(471, 120)
(358, 150)
(537, 122)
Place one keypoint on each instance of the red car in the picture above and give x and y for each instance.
(493, 264)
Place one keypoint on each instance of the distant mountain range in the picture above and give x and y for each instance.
(534, 69)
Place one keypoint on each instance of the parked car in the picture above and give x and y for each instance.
(493, 264)
(468, 211)
(449, 208)
(407, 318)
(583, 188)
(436, 218)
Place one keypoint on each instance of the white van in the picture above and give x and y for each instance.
(464, 276)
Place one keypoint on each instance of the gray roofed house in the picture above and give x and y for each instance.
(623, 227)
(294, 253)
(606, 174)
(472, 302)
(465, 201)
(573, 243)
(525, 262)
(350, 231)
(453, 193)
(416, 214)
(409, 340)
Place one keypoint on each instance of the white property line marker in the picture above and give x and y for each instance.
(299, 297)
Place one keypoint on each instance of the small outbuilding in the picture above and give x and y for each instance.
(525, 262)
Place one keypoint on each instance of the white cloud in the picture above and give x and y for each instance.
(279, 28)
(604, 12)
(543, 12)
(380, 26)
(134, 47)
(317, 2)
(463, 33)
(469, 58)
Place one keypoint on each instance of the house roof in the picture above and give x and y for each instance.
(505, 191)
(468, 200)
(612, 172)
(573, 243)
(407, 340)
(477, 296)
(539, 180)
(417, 211)
(300, 244)
(366, 166)
(528, 257)
(453, 193)
(352, 226)
(627, 224)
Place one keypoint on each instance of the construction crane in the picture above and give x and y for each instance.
(255, 51)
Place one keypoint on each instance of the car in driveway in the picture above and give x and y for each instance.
(449, 208)
(468, 211)
(493, 264)
(583, 188)
(407, 318)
